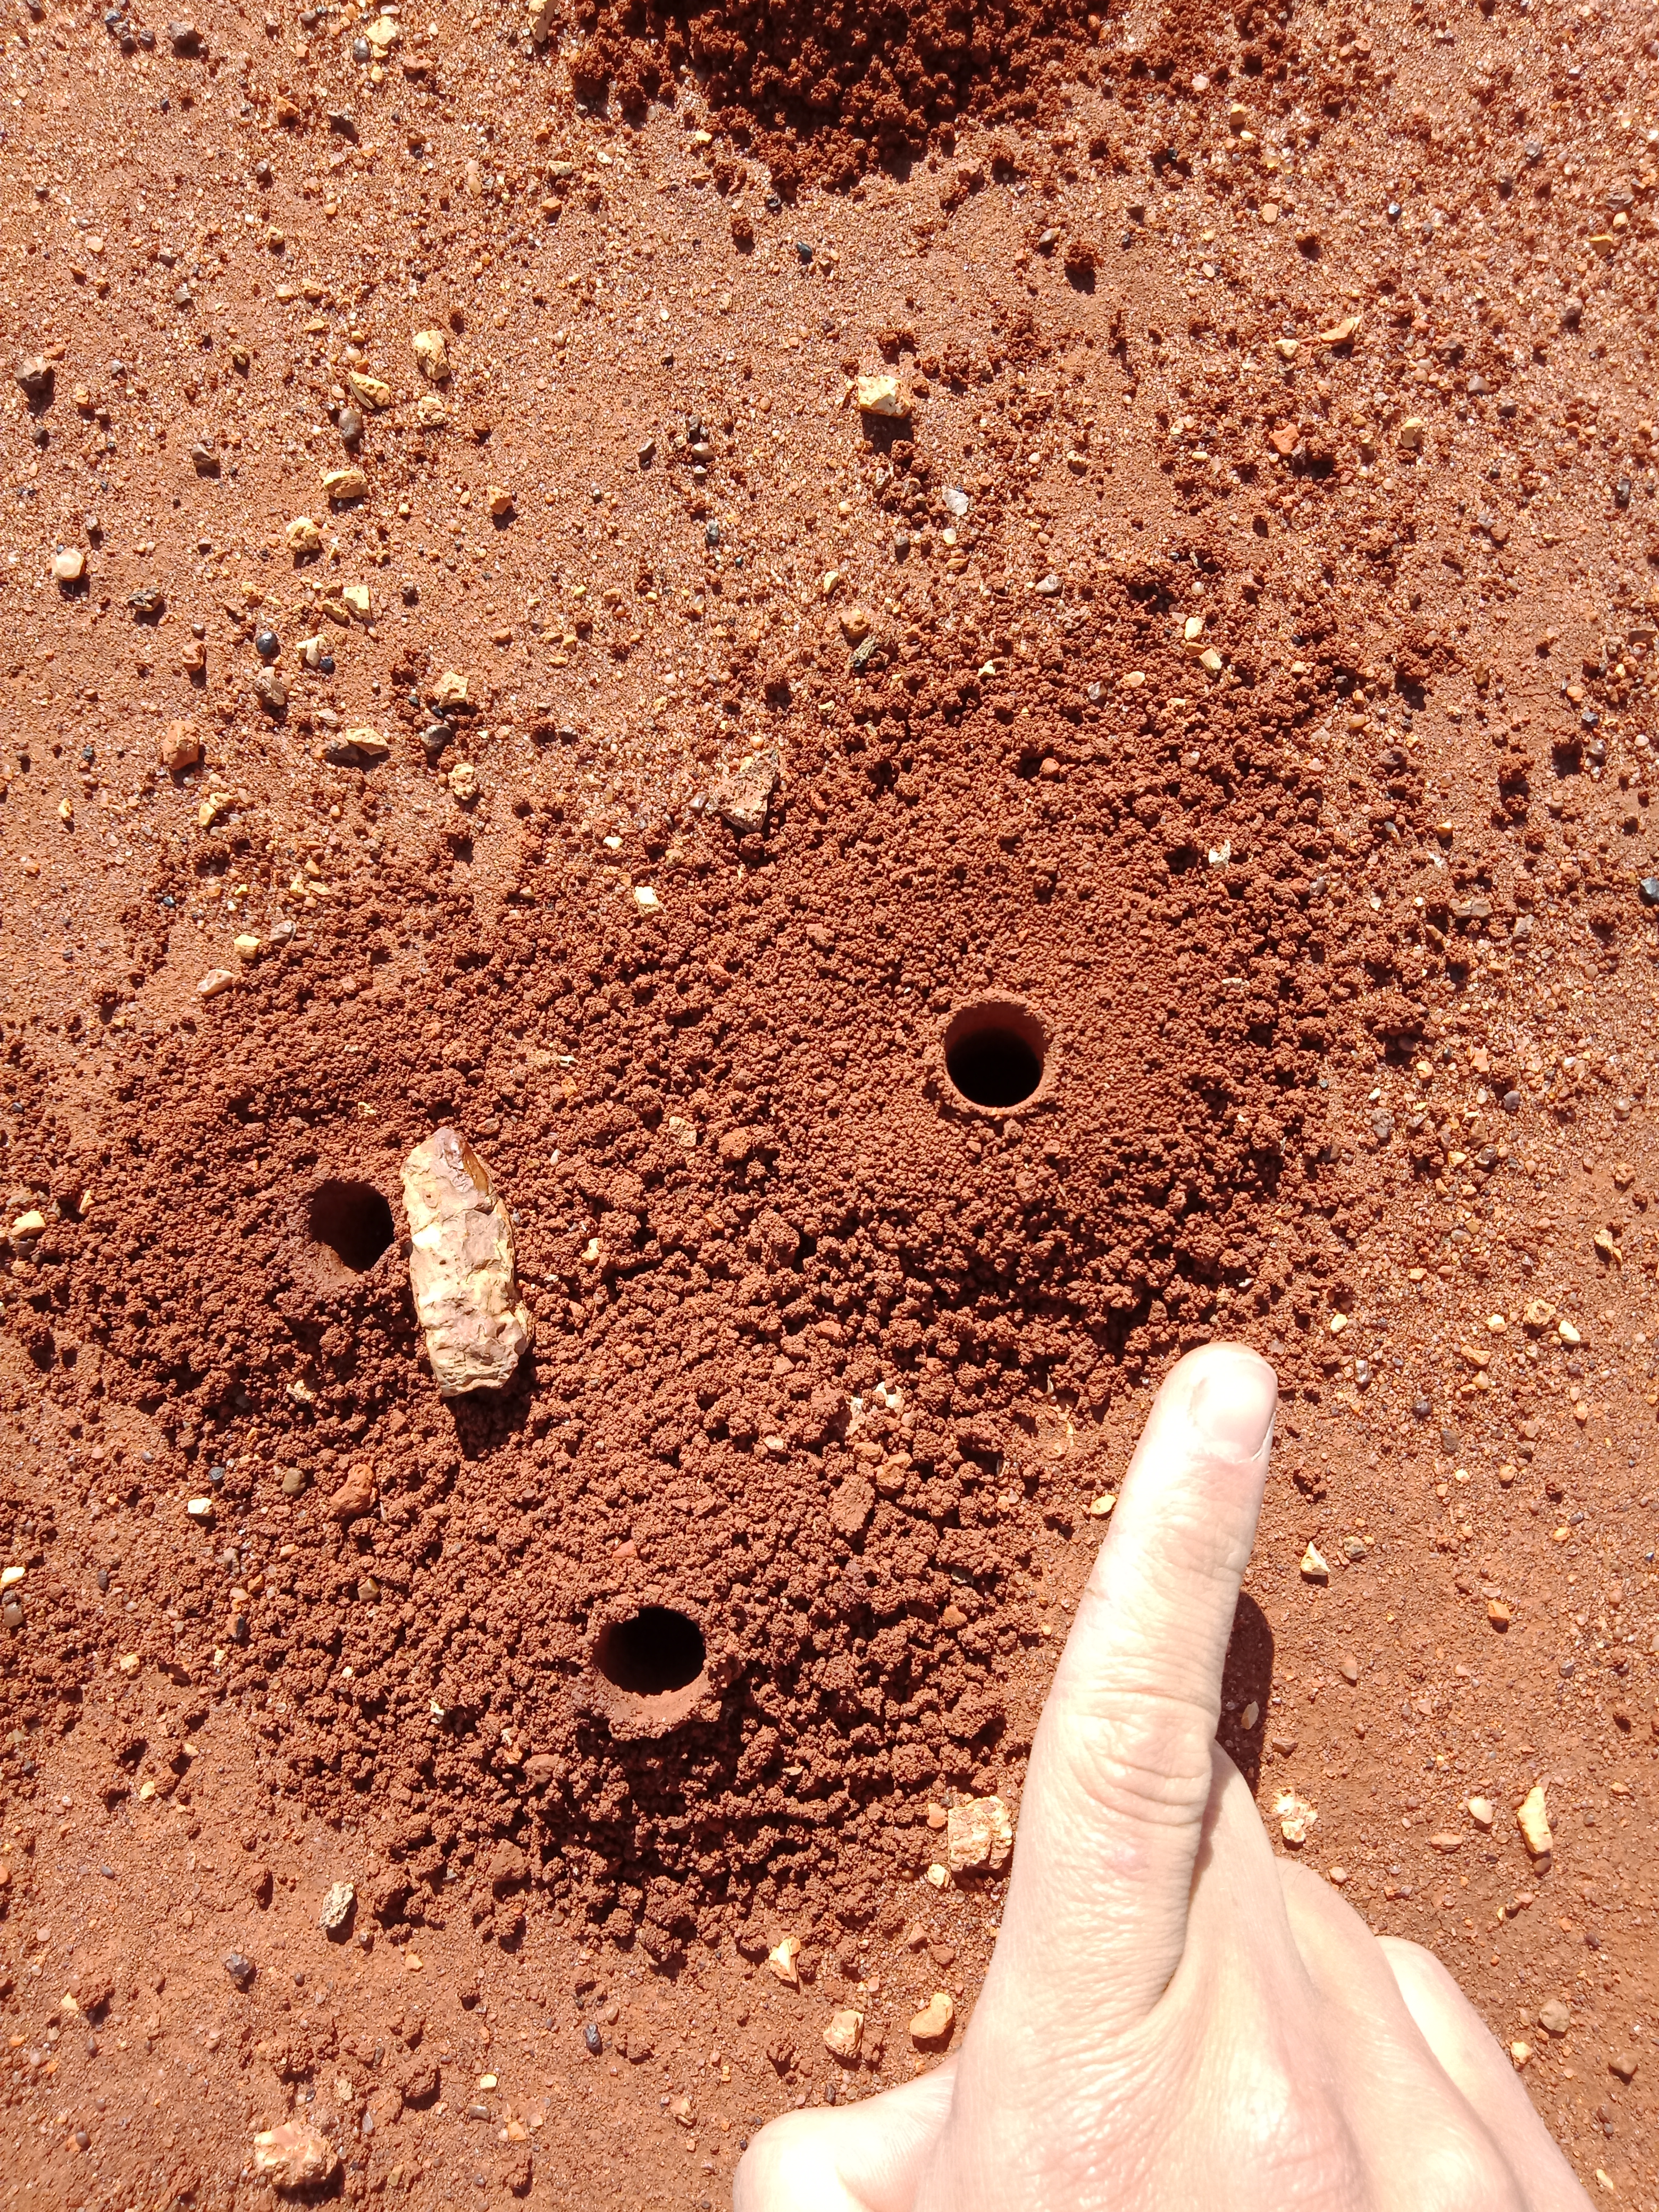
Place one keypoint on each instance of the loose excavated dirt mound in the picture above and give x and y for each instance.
(827, 91)
(820, 1339)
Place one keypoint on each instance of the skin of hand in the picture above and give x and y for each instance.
(1174, 2018)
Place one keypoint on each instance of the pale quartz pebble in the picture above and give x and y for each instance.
(216, 981)
(1101, 1506)
(431, 355)
(880, 395)
(1532, 1817)
(461, 1268)
(781, 1959)
(1554, 2017)
(1481, 1812)
(1249, 1716)
(344, 484)
(1568, 1334)
(1314, 1565)
(937, 1876)
(293, 2157)
(979, 1835)
(303, 535)
(1295, 1816)
(369, 389)
(934, 2023)
(246, 948)
(844, 2034)
(1519, 2053)
(464, 784)
(338, 1907)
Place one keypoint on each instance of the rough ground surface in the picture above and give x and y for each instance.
(1318, 343)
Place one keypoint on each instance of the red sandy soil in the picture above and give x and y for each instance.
(1317, 342)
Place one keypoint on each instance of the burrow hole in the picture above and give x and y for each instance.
(352, 1220)
(654, 1651)
(994, 1054)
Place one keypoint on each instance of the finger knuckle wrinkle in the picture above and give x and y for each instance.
(1162, 1778)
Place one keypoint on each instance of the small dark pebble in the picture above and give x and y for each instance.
(1648, 890)
(352, 428)
(592, 2039)
(239, 1967)
(267, 644)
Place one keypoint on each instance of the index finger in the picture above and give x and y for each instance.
(1121, 1769)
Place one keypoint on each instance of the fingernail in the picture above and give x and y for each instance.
(1234, 1400)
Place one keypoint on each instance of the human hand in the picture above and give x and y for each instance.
(1173, 2018)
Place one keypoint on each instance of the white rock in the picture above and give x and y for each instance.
(1314, 1565)
(844, 2034)
(935, 2020)
(344, 484)
(369, 389)
(978, 1834)
(781, 1960)
(293, 2157)
(338, 1907)
(216, 981)
(880, 395)
(1532, 1817)
(1295, 1816)
(431, 356)
(461, 1268)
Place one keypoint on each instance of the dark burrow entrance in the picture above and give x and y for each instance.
(351, 1220)
(995, 1055)
(651, 1653)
